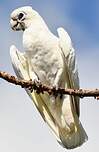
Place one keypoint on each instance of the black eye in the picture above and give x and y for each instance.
(20, 16)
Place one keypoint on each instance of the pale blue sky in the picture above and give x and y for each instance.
(21, 127)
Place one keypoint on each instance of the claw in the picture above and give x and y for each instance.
(54, 94)
(34, 87)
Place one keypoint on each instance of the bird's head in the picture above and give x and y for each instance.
(22, 18)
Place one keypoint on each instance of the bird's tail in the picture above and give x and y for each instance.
(75, 138)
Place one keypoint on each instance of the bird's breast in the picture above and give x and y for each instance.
(43, 55)
(45, 65)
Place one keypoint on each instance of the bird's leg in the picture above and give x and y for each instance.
(33, 76)
(56, 84)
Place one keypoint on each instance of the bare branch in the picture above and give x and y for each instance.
(41, 88)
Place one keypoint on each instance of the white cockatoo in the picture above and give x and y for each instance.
(50, 60)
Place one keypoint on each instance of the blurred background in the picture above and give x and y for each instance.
(21, 126)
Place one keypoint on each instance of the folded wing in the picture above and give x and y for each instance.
(70, 107)
(70, 62)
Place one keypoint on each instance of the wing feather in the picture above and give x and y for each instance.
(71, 64)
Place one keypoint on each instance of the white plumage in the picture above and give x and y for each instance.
(50, 60)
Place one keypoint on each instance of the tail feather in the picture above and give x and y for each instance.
(73, 139)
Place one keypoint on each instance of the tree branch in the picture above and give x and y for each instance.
(41, 88)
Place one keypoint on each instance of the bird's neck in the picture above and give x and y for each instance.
(38, 24)
(34, 35)
(37, 37)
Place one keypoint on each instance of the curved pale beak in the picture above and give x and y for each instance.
(14, 24)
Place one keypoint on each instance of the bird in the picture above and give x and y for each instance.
(51, 60)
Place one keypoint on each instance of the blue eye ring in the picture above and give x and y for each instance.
(20, 16)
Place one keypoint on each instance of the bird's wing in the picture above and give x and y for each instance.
(20, 66)
(70, 62)
(19, 63)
